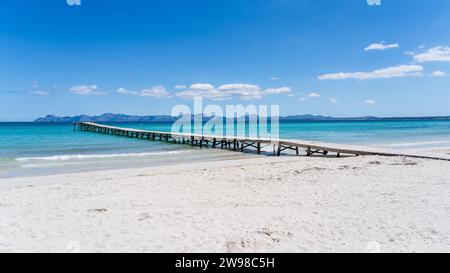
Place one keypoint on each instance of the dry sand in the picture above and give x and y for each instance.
(286, 204)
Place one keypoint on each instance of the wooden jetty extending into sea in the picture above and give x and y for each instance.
(236, 143)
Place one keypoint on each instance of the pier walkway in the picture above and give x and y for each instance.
(257, 144)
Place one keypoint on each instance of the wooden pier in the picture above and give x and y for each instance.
(242, 144)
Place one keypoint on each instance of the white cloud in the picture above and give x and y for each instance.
(302, 99)
(73, 2)
(369, 102)
(124, 91)
(228, 91)
(380, 46)
(158, 91)
(242, 90)
(374, 2)
(180, 86)
(435, 54)
(438, 73)
(385, 73)
(274, 79)
(204, 90)
(202, 86)
(280, 90)
(333, 100)
(86, 90)
(40, 93)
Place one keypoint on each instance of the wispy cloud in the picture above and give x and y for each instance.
(277, 91)
(124, 91)
(73, 2)
(385, 73)
(40, 93)
(86, 90)
(35, 84)
(369, 102)
(435, 54)
(381, 46)
(333, 100)
(438, 73)
(274, 79)
(314, 95)
(157, 91)
(36, 90)
(180, 86)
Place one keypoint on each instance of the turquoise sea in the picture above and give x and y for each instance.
(36, 148)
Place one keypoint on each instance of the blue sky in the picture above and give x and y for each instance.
(329, 57)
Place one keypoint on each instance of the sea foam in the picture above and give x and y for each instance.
(93, 156)
(418, 143)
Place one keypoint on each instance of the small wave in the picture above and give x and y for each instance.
(91, 156)
(418, 143)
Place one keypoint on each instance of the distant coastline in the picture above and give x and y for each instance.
(109, 117)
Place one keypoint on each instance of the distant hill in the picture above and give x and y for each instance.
(109, 117)
(368, 118)
(106, 118)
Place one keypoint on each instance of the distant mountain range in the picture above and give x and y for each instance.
(109, 117)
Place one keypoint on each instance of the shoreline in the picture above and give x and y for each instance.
(187, 157)
(108, 167)
(56, 148)
(273, 204)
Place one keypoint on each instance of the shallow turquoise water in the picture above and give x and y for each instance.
(393, 134)
(30, 148)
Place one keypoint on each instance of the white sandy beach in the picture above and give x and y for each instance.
(285, 204)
